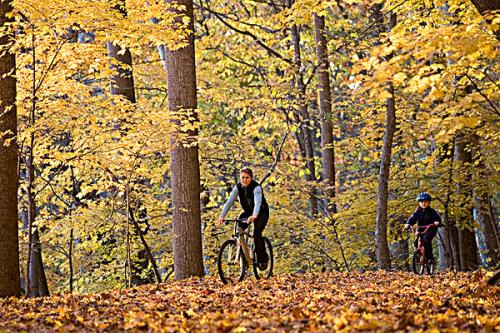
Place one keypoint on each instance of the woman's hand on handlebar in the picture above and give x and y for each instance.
(251, 219)
(221, 220)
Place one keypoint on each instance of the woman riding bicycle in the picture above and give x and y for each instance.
(423, 216)
(255, 209)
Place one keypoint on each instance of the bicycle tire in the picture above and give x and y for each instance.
(268, 272)
(417, 266)
(430, 267)
(225, 276)
(494, 280)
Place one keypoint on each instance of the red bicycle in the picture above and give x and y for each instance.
(420, 264)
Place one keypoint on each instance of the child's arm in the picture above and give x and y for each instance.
(411, 220)
(436, 217)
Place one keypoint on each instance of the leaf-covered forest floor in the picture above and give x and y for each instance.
(370, 301)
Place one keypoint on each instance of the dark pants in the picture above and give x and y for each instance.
(427, 243)
(259, 225)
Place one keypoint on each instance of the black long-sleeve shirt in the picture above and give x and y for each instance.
(423, 217)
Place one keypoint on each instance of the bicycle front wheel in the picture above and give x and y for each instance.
(431, 266)
(267, 272)
(417, 263)
(231, 263)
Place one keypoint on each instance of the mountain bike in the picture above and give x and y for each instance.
(236, 253)
(420, 264)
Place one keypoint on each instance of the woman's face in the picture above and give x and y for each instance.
(245, 179)
(424, 204)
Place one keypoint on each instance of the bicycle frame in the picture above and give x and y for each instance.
(241, 237)
(420, 247)
(242, 242)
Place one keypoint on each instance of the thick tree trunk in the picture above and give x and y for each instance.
(10, 283)
(305, 120)
(38, 281)
(451, 230)
(325, 104)
(466, 231)
(445, 158)
(454, 239)
(442, 250)
(381, 245)
(482, 213)
(35, 282)
(122, 82)
(182, 102)
(486, 6)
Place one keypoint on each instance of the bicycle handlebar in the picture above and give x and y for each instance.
(227, 221)
(426, 228)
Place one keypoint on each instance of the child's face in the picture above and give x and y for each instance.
(424, 204)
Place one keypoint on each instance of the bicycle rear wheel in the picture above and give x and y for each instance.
(268, 271)
(417, 264)
(231, 263)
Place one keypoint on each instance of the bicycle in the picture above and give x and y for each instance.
(235, 254)
(420, 264)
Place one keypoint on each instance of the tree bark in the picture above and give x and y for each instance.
(466, 231)
(482, 213)
(445, 155)
(305, 119)
(122, 82)
(451, 230)
(325, 104)
(38, 280)
(10, 283)
(485, 6)
(182, 103)
(381, 244)
(442, 250)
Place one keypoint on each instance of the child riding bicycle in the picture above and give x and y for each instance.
(423, 216)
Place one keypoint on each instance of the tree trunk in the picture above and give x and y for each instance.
(35, 282)
(38, 281)
(381, 245)
(122, 81)
(442, 250)
(144, 255)
(455, 245)
(10, 283)
(70, 259)
(485, 6)
(466, 231)
(182, 103)
(445, 158)
(482, 213)
(325, 104)
(451, 230)
(305, 120)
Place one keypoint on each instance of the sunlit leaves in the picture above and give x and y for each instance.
(382, 301)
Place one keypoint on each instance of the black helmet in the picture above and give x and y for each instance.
(424, 196)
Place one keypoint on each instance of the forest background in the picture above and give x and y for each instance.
(351, 107)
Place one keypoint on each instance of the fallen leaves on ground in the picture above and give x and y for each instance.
(343, 302)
